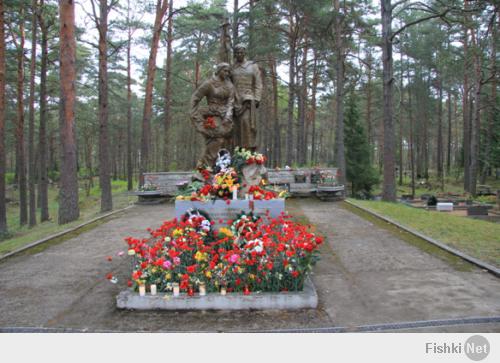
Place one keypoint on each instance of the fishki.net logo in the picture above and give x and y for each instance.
(476, 348)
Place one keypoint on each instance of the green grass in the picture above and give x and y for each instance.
(89, 209)
(477, 238)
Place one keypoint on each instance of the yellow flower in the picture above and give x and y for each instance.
(252, 276)
(229, 182)
(200, 256)
(226, 232)
(168, 276)
(177, 232)
(208, 274)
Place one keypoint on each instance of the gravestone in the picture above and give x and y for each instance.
(477, 210)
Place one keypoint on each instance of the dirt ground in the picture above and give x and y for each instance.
(368, 275)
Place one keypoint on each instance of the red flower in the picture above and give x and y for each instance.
(228, 202)
(191, 269)
(129, 283)
(246, 290)
(109, 276)
(110, 258)
(295, 274)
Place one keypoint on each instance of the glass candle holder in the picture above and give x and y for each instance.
(153, 289)
(223, 291)
(176, 289)
(203, 289)
(142, 290)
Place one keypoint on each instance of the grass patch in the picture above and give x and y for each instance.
(476, 238)
(20, 236)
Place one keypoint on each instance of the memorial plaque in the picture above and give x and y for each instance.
(220, 210)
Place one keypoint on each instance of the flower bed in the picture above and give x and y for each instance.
(249, 255)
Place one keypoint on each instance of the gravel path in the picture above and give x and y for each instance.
(367, 276)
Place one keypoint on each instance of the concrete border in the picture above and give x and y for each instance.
(306, 299)
(61, 234)
(486, 266)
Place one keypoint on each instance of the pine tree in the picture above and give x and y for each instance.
(360, 173)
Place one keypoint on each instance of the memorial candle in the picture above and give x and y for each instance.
(235, 193)
(176, 289)
(203, 289)
(223, 291)
(153, 289)
(142, 290)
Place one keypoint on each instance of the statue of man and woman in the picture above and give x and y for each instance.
(229, 119)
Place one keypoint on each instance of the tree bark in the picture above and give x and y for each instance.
(43, 185)
(235, 23)
(389, 188)
(466, 118)
(104, 159)
(439, 146)
(302, 132)
(339, 96)
(3, 207)
(20, 147)
(314, 89)
(31, 119)
(168, 87)
(448, 146)
(476, 122)
(292, 42)
(275, 119)
(68, 193)
(130, 169)
(161, 10)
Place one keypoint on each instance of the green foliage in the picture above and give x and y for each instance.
(475, 237)
(360, 173)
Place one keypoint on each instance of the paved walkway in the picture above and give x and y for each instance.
(367, 275)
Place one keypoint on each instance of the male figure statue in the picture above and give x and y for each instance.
(248, 84)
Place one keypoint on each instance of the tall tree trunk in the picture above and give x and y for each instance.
(20, 147)
(339, 96)
(369, 104)
(104, 160)
(412, 129)
(161, 10)
(476, 117)
(302, 132)
(130, 169)
(168, 87)
(3, 207)
(466, 118)
(235, 23)
(389, 189)
(314, 90)
(275, 119)
(292, 42)
(488, 140)
(31, 118)
(68, 193)
(43, 183)
(439, 156)
(448, 146)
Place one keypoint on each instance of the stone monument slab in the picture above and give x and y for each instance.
(221, 210)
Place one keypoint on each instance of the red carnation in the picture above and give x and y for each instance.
(109, 276)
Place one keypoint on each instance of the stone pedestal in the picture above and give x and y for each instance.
(221, 210)
(305, 299)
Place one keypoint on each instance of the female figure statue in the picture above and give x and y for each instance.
(214, 121)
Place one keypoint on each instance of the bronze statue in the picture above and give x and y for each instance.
(248, 83)
(214, 121)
